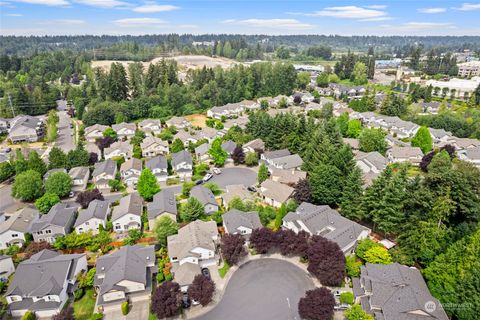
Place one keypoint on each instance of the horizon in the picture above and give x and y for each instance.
(264, 17)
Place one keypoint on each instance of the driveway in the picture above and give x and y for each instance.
(8, 203)
(265, 289)
(140, 310)
(244, 176)
(65, 133)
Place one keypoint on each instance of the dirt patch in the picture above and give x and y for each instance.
(197, 120)
(185, 62)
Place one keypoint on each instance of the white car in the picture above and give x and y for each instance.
(216, 170)
(207, 177)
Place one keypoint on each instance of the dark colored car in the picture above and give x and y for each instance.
(252, 189)
(186, 301)
(198, 182)
(206, 272)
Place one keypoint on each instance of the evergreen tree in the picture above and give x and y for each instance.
(262, 173)
(117, 82)
(36, 163)
(351, 198)
(57, 158)
(326, 184)
(147, 185)
(192, 210)
(423, 140)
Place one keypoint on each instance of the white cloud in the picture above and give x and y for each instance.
(3, 3)
(15, 15)
(271, 23)
(469, 6)
(153, 7)
(432, 10)
(103, 3)
(135, 22)
(349, 12)
(51, 3)
(377, 6)
(377, 19)
(69, 21)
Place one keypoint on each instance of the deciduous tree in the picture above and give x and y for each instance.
(317, 304)
(202, 289)
(166, 300)
(147, 185)
(46, 202)
(59, 183)
(262, 240)
(28, 186)
(326, 261)
(233, 248)
(84, 198)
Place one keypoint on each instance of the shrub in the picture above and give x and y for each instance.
(78, 294)
(125, 308)
(317, 305)
(346, 297)
(29, 315)
(201, 289)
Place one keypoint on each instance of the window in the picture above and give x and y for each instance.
(118, 227)
(14, 235)
(48, 231)
(40, 232)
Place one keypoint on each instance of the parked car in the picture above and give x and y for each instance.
(199, 182)
(343, 306)
(206, 272)
(252, 189)
(186, 301)
(71, 194)
(7, 150)
(216, 170)
(207, 177)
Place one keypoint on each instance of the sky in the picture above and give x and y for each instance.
(273, 17)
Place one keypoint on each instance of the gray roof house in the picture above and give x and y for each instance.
(130, 171)
(178, 122)
(52, 171)
(13, 230)
(163, 204)
(236, 191)
(159, 167)
(80, 176)
(128, 214)
(328, 223)
(292, 161)
(182, 163)
(124, 130)
(371, 164)
(93, 217)
(229, 146)
(395, 291)
(239, 222)
(153, 146)
(6, 267)
(150, 126)
(275, 193)
(412, 155)
(254, 146)
(194, 247)
(206, 197)
(42, 284)
(201, 152)
(290, 177)
(471, 155)
(270, 155)
(56, 223)
(95, 132)
(104, 171)
(125, 273)
(119, 149)
(25, 128)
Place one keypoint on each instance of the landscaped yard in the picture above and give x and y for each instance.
(223, 270)
(84, 307)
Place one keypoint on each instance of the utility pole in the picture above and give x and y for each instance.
(11, 106)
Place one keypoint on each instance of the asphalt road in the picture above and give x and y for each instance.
(266, 289)
(65, 133)
(229, 176)
(7, 202)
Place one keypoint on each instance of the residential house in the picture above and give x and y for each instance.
(287, 176)
(14, 229)
(194, 247)
(4, 125)
(90, 219)
(371, 164)
(440, 136)
(290, 162)
(208, 134)
(229, 146)
(236, 191)
(164, 204)
(119, 149)
(151, 127)
(305, 97)
(328, 223)
(228, 111)
(392, 141)
(130, 171)
(80, 177)
(25, 129)
(395, 291)
(6, 267)
(159, 167)
(471, 155)
(125, 130)
(268, 156)
(128, 214)
(201, 152)
(187, 137)
(239, 222)
(43, 284)
(206, 198)
(461, 144)
(52, 171)
(256, 145)
(353, 143)
(56, 223)
(182, 164)
(240, 122)
(412, 155)
(153, 146)
(396, 126)
(103, 172)
(94, 132)
(124, 275)
(178, 122)
(275, 193)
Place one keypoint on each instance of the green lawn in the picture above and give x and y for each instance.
(223, 270)
(151, 316)
(83, 308)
